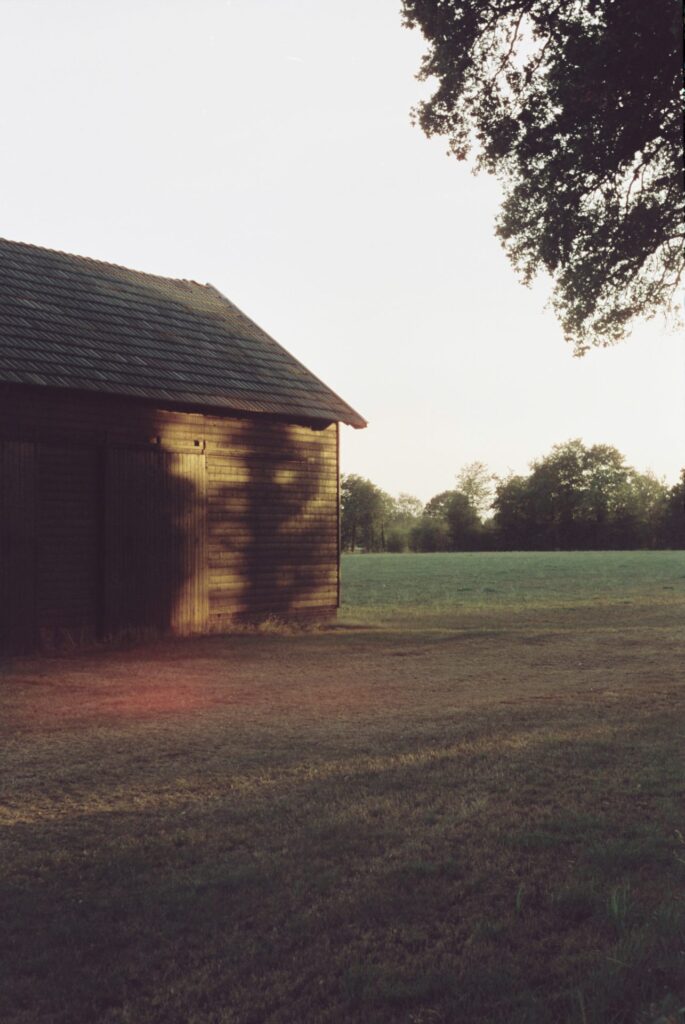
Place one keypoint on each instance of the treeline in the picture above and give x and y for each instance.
(576, 497)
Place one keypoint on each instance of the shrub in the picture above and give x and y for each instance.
(430, 535)
(396, 540)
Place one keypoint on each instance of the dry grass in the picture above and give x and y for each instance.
(427, 818)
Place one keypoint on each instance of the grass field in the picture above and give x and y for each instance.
(514, 579)
(463, 803)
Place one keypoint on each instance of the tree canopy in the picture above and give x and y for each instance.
(575, 497)
(364, 511)
(580, 497)
(478, 484)
(576, 106)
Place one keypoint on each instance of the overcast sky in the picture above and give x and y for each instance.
(265, 146)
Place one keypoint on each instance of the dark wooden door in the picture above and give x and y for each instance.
(155, 541)
(67, 548)
(17, 547)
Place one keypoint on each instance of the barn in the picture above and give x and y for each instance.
(165, 465)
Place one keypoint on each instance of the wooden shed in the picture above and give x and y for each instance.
(164, 464)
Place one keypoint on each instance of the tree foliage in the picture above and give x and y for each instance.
(373, 520)
(576, 106)
(430, 534)
(364, 512)
(406, 509)
(438, 505)
(477, 482)
(451, 523)
(575, 497)
(674, 515)
(580, 497)
(463, 522)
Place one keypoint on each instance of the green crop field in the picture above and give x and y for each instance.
(465, 581)
(464, 803)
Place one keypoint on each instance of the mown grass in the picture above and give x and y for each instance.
(434, 814)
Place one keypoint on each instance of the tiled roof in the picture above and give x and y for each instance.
(76, 323)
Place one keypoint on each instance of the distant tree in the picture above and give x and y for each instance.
(478, 484)
(580, 497)
(513, 514)
(576, 496)
(364, 513)
(673, 522)
(458, 520)
(437, 507)
(397, 539)
(430, 534)
(639, 520)
(406, 509)
(463, 523)
(576, 107)
(576, 492)
(405, 512)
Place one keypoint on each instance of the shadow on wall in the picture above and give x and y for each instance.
(154, 527)
(273, 524)
(96, 542)
(103, 540)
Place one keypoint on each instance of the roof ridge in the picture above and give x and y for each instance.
(104, 263)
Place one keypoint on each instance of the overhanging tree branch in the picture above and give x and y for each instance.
(584, 130)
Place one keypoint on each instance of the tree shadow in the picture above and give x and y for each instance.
(110, 526)
(102, 909)
(273, 526)
(154, 551)
(99, 540)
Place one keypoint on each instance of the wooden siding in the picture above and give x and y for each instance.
(155, 544)
(17, 547)
(134, 517)
(66, 541)
(272, 527)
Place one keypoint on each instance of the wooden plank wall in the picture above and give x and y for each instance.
(66, 541)
(232, 517)
(17, 547)
(187, 472)
(272, 529)
(155, 541)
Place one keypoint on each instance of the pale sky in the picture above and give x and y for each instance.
(265, 146)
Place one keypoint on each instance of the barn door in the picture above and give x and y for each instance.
(67, 524)
(17, 545)
(155, 546)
